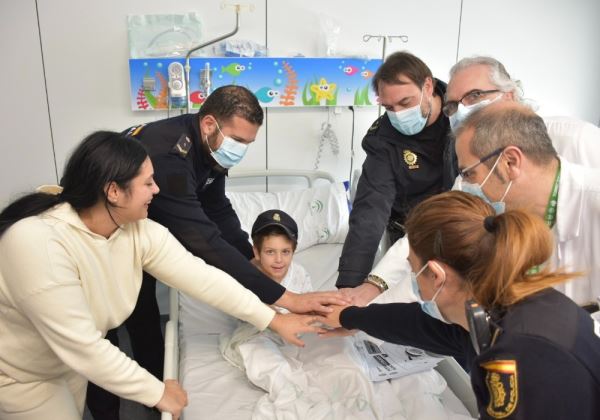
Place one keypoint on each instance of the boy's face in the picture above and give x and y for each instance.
(275, 256)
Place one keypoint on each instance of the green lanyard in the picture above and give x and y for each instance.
(550, 213)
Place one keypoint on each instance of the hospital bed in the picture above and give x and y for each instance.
(217, 390)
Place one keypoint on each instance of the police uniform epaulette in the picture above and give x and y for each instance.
(135, 130)
(183, 146)
(375, 125)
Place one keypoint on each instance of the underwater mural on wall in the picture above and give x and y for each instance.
(276, 81)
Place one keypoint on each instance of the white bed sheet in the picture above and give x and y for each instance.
(217, 390)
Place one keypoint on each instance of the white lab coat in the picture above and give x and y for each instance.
(575, 140)
(576, 233)
(577, 230)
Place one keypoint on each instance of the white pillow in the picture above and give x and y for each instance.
(320, 212)
(322, 217)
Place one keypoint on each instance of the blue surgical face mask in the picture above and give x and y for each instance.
(409, 121)
(477, 190)
(463, 111)
(230, 153)
(430, 307)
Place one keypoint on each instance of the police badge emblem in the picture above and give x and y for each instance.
(410, 158)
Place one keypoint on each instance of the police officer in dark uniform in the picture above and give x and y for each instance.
(191, 155)
(410, 156)
(531, 351)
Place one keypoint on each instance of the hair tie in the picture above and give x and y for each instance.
(489, 223)
(50, 189)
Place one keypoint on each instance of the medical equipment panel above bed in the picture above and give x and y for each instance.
(320, 381)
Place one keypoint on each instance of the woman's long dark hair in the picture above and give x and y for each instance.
(101, 158)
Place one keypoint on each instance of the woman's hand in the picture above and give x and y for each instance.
(290, 326)
(173, 400)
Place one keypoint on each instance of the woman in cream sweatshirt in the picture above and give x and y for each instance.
(71, 268)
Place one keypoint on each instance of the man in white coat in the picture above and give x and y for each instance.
(506, 156)
(476, 82)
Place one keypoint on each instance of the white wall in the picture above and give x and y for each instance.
(551, 45)
(26, 157)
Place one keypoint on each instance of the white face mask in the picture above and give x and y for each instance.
(430, 307)
(463, 111)
(230, 153)
(409, 121)
(477, 190)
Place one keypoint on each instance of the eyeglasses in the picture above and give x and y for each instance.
(465, 172)
(472, 97)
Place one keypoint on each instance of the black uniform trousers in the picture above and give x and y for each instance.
(143, 327)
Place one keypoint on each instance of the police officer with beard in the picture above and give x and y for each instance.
(410, 156)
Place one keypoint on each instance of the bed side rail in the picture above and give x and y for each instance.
(310, 176)
(171, 363)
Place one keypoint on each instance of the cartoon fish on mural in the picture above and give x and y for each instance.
(197, 97)
(366, 74)
(266, 94)
(350, 70)
(234, 69)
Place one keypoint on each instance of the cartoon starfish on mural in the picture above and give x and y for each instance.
(323, 90)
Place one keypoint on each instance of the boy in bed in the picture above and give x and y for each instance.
(275, 237)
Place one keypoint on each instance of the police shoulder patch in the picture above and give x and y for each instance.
(183, 146)
(502, 384)
(135, 130)
(375, 125)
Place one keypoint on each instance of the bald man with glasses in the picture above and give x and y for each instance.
(506, 157)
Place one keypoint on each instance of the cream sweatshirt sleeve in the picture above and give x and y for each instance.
(47, 290)
(168, 261)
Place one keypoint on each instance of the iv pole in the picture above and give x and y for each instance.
(205, 44)
(368, 37)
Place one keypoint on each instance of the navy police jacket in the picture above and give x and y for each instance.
(399, 172)
(192, 202)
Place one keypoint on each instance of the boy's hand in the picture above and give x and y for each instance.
(312, 302)
(290, 326)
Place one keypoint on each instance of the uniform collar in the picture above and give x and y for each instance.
(569, 211)
(197, 135)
